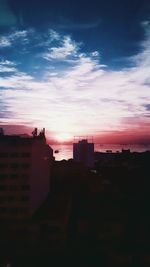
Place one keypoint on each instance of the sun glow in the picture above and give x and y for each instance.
(63, 137)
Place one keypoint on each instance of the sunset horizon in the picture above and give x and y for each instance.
(115, 137)
(54, 74)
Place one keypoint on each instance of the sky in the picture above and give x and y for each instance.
(76, 68)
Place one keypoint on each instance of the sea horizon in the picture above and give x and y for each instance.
(65, 151)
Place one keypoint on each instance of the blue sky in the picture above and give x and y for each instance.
(75, 67)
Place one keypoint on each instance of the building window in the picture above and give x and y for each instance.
(2, 200)
(3, 176)
(25, 155)
(3, 210)
(23, 210)
(14, 176)
(25, 187)
(14, 155)
(3, 187)
(3, 166)
(11, 199)
(14, 166)
(3, 155)
(18, 210)
(25, 176)
(13, 210)
(24, 198)
(13, 187)
(25, 166)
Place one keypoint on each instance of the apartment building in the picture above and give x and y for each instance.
(25, 171)
(83, 151)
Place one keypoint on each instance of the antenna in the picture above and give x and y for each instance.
(42, 133)
(1, 131)
(81, 138)
(34, 133)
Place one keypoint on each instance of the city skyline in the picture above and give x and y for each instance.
(76, 69)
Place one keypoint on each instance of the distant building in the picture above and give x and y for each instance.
(84, 152)
(25, 171)
(126, 151)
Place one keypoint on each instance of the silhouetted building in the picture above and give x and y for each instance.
(126, 151)
(52, 218)
(25, 170)
(84, 152)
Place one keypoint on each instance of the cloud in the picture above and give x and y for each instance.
(7, 66)
(18, 80)
(22, 37)
(81, 97)
(18, 129)
(53, 35)
(66, 49)
(95, 54)
(7, 69)
(7, 63)
(4, 42)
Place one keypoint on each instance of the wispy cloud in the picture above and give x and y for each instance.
(7, 66)
(17, 36)
(7, 63)
(4, 42)
(7, 69)
(66, 49)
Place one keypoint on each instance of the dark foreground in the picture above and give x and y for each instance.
(98, 218)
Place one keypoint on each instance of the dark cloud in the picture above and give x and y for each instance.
(115, 25)
(147, 106)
